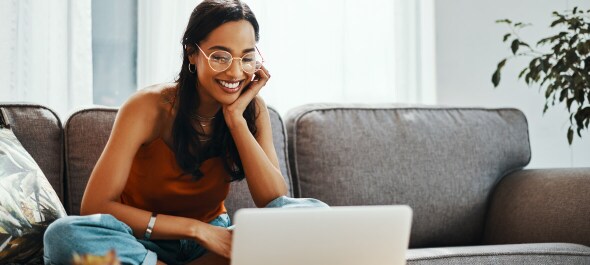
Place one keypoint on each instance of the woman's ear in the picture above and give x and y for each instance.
(192, 55)
(192, 58)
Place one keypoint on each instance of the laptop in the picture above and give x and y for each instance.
(346, 235)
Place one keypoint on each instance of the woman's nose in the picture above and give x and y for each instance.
(235, 69)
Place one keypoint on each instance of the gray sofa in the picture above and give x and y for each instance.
(460, 169)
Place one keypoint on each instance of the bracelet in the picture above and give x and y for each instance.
(150, 226)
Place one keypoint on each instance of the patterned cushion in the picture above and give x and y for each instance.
(39, 130)
(28, 203)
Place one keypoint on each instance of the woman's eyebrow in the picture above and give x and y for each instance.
(229, 50)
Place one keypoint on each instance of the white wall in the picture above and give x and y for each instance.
(468, 47)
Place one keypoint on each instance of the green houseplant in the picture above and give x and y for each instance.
(559, 65)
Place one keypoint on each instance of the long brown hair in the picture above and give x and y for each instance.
(189, 151)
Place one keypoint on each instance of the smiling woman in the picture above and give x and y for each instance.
(157, 191)
(369, 51)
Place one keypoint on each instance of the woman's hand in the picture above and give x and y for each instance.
(216, 239)
(234, 111)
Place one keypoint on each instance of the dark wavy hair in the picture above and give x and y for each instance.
(189, 151)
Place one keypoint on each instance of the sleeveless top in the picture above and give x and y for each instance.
(156, 183)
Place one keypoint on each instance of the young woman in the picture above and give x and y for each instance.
(157, 191)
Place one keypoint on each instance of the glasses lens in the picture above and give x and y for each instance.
(220, 60)
(251, 62)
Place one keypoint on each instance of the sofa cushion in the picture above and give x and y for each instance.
(540, 205)
(547, 253)
(443, 162)
(39, 130)
(86, 134)
(28, 203)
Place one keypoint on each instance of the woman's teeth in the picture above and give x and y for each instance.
(229, 85)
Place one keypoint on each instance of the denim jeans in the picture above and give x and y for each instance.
(99, 233)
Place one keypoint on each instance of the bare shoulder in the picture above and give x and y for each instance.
(150, 107)
(161, 95)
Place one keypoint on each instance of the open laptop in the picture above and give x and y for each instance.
(347, 235)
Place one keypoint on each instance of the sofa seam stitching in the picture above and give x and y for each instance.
(458, 255)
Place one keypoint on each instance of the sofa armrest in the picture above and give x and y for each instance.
(541, 205)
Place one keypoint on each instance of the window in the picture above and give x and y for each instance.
(114, 50)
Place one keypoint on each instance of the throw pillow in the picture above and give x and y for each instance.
(28, 203)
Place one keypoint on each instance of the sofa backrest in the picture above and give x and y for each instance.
(40, 132)
(86, 134)
(443, 162)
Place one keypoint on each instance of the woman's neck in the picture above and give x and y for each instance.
(208, 106)
(208, 109)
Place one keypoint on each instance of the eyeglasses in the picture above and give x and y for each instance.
(220, 61)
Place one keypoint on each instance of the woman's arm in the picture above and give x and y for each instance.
(259, 158)
(136, 123)
(258, 155)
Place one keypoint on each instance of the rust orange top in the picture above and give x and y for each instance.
(156, 183)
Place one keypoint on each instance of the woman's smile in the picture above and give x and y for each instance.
(230, 87)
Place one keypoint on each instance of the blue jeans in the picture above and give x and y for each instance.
(99, 233)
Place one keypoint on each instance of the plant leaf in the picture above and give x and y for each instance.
(527, 78)
(561, 20)
(583, 48)
(573, 40)
(524, 44)
(570, 135)
(586, 116)
(515, 45)
(496, 75)
(501, 64)
(571, 56)
(545, 108)
(548, 39)
(563, 95)
(507, 36)
(507, 21)
(569, 102)
(579, 117)
(522, 72)
(549, 90)
(496, 78)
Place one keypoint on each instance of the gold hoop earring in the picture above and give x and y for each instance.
(189, 68)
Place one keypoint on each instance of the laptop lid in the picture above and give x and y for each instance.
(347, 235)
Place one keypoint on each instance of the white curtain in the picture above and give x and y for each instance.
(161, 24)
(46, 53)
(365, 51)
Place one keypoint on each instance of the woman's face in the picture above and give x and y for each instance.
(237, 38)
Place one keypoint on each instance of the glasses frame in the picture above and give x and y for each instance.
(232, 59)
